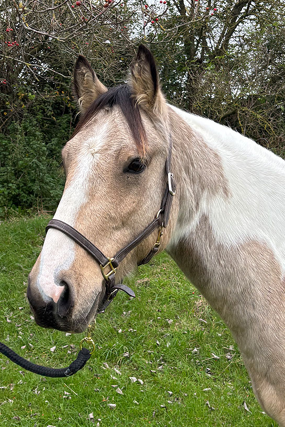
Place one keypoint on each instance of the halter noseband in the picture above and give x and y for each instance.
(109, 265)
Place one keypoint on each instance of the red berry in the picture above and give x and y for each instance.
(146, 6)
(215, 9)
(207, 8)
(152, 22)
(73, 6)
(164, 2)
(156, 19)
(78, 3)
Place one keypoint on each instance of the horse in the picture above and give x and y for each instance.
(143, 176)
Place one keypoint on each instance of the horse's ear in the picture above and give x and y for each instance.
(87, 86)
(144, 81)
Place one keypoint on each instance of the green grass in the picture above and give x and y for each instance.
(167, 337)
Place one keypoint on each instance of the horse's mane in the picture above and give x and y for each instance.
(121, 96)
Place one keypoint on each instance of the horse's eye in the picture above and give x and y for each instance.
(136, 166)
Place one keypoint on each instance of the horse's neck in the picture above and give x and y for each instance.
(231, 194)
(199, 173)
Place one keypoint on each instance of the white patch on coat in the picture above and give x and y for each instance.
(58, 251)
(255, 209)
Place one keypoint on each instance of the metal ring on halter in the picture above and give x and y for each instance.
(170, 178)
(159, 212)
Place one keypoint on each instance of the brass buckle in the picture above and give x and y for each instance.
(111, 271)
(160, 234)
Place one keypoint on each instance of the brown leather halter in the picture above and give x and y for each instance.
(109, 265)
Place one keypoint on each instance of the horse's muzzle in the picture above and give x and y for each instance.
(60, 314)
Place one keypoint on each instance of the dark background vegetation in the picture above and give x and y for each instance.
(220, 59)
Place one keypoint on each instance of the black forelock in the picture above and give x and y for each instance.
(122, 97)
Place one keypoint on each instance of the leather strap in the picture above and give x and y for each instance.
(143, 235)
(79, 239)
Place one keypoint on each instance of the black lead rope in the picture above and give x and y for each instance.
(82, 357)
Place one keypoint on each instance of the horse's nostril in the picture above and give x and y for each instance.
(65, 302)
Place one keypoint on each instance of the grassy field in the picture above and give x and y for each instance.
(164, 358)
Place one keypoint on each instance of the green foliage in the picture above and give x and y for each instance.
(29, 163)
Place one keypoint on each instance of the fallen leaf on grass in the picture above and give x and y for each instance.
(215, 356)
(246, 407)
(209, 406)
(112, 405)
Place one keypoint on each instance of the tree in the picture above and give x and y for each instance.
(226, 62)
(221, 59)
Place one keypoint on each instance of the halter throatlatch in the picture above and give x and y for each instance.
(109, 265)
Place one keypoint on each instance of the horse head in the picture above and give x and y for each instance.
(115, 183)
